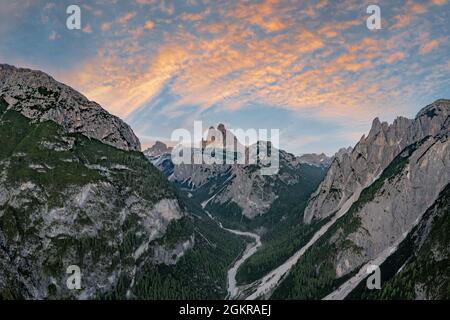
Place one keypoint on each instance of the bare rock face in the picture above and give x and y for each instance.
(158, 149)
(251, 191)
(90, 217)
(40, 97)
(399, 203)
(241, 185)
(341, 152)
(194, 176)
(170, 256)
(255, 194)
(352, 172)
(69, 199)
(314, 159)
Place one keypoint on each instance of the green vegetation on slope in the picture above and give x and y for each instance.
(201, 273)
(284, 232)
(43, 154)
(3, 105)
(279, 245)
(56, 162)
(314, 276)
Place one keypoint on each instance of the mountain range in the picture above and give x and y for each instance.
(75, 189)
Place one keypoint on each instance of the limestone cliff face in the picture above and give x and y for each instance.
(351, 172)
(194, 176)
(158, 149)
(40, 97)
(399, 203)
(381, 192)
(242, 185)
(239, 186)
(67, 199)
(92, 229)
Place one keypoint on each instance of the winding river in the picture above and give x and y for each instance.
(233, 289)
(263, 287)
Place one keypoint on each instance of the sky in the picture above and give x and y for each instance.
(311, 69)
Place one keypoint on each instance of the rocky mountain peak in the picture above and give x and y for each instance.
(372, 155)
(376, 125)
(214, 132)
(159, 144)
(433, 118)
(38, 96)
(438, 108)
(314, 159)
(158, 149)
(341, 152)
(221, 128)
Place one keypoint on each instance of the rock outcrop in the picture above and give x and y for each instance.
(67, 199)
(314, 159)
(158, 149)
(233, 184)
(399, 203)
(374, 198)
(354, 171)
(40, 97)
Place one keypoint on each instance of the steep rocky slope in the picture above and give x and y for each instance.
(384, 212)
(40, 97)
(239, 191)
(244, 199)
(399, 202)
(158, 149)
(419, 267)
(320, 160)
(356, 170)
(69, 195)
(66, 199)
